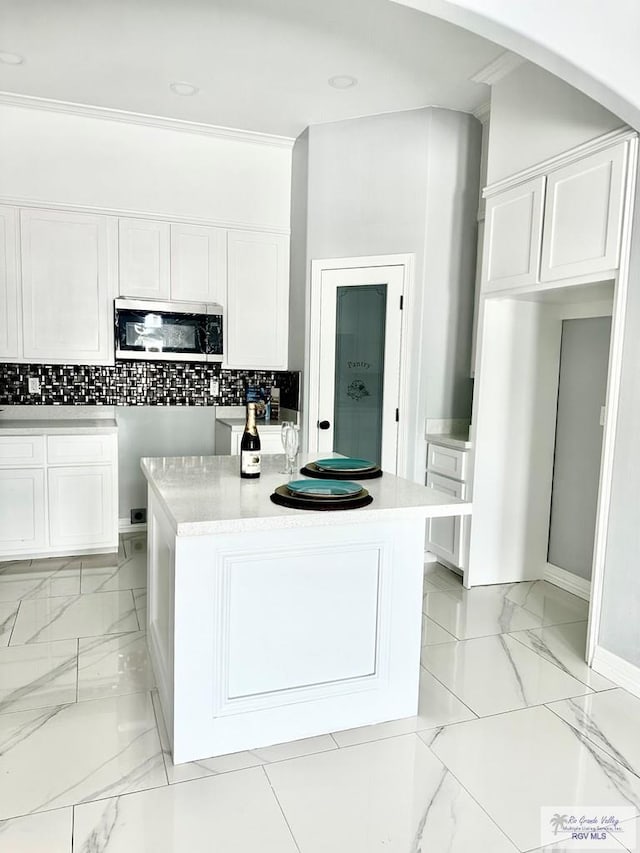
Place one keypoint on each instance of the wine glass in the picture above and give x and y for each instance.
(291, 446)
(283, 437)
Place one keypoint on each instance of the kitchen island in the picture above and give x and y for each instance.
(267, 624)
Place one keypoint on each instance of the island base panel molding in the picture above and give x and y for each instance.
(276, 635)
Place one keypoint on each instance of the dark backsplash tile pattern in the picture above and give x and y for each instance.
(139, 383)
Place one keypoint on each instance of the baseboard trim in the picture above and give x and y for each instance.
(125, 526)
(568, 581)
(618, 670)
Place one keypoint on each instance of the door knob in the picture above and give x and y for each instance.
(323, 424)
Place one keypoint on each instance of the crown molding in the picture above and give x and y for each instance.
(28, 101)
(499, 68)
(592, 146)
(483, 112)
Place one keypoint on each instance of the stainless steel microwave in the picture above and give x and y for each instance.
(168, 331)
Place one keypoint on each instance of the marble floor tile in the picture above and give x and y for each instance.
(38, 675)
(140, 601)
(438, 577)
(236, 760)
(432, 633)
(478, 612)
(235, 813)
(100, 561)
(390, 795)
(496, 674)
(113, 665)
(44, 832)
(611, 720)
(552, 604)
(131, 573)
(68, 754)
(41, 620)
(26, 580)
(135, 544)
(564, 645)
(437, 707)
(8, 613)
(513, 764)
(634, 845)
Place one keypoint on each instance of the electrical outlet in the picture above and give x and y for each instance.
(34, 385)
(139, 516)
(214, 387)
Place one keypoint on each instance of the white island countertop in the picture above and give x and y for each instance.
(202, 495)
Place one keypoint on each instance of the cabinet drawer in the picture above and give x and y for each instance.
(270, 441)
(20, 450)
(66, 449)
(447, 461)
(445, 484)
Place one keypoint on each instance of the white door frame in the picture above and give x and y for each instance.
(313, 415)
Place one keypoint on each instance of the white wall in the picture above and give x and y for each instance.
(86, 161)
(396, 183)
(620, 617)
(590, 44)
(534, 116)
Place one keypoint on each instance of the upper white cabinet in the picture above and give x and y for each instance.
(163, 260)
(257, 300)
(198, 263)
(562, 225)
(513, 235)
(9, 322)
(143, 253)
(67, 286)
(583, 216)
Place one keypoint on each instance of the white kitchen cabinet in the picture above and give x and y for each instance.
(448, 472)
(143, 258)
(513, 235)
(9, 315)
(23, 515)
(583, 215)
(198, 263)
(67, 286)
(58, 493)
(257, 300)
(82, 506)
(229, 435)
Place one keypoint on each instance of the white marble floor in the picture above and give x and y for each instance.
(510, 721)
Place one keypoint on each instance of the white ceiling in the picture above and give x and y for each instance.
(260, 65)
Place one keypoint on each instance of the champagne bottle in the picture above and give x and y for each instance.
(250, 446)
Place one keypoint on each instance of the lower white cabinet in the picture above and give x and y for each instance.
(23, 515)
(58, 494)
(229, 436)
(81, 505)
(448, 538)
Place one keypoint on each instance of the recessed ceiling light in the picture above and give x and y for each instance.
(183, 89)
(342, 81)
(11, 58)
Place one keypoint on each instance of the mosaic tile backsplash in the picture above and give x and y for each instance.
(136, 383)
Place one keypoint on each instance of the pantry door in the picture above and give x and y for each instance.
(358, 380)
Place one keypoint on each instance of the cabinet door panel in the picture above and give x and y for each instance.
(444, 534)
(583, 216)
(198, 263)
(9, 323)
(513, 233)
(67, 291)
(22, 526)
(144, 258)
(82, 508)
(257, 300)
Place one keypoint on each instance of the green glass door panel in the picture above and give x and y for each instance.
(359, 370)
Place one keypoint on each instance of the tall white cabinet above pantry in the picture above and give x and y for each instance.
(258, 300)
(67, 286)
